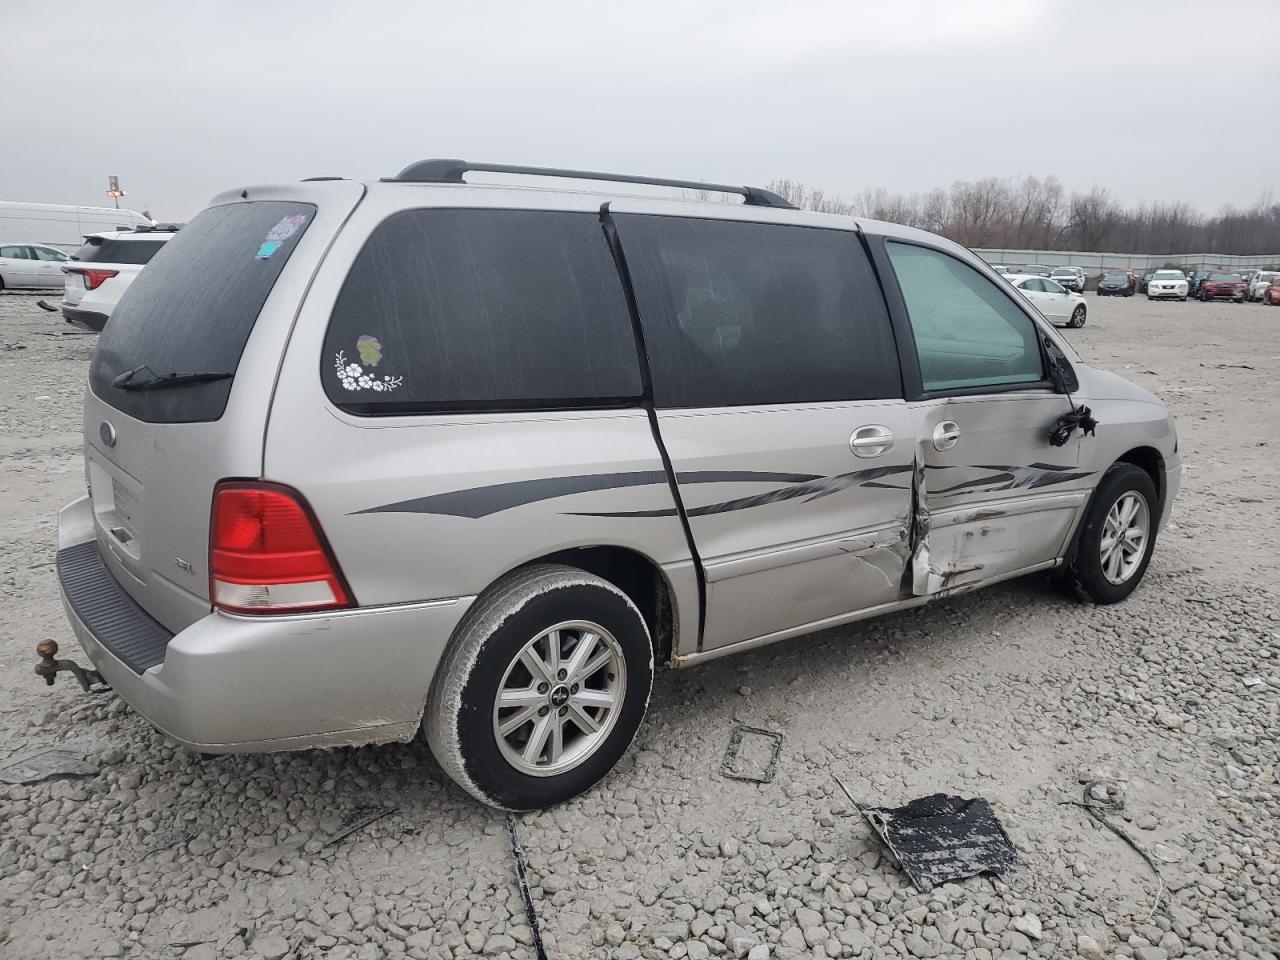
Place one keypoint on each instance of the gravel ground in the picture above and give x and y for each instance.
(1015, 694)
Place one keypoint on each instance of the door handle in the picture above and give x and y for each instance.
(871, 441)
(946, 435)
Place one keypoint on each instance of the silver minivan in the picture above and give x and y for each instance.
(365, 459)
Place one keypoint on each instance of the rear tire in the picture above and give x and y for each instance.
(1116, 537)
(538, 749)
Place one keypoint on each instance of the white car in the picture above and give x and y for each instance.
(30, 266)
(1000, 268)
(1070, 277)
(100, 271)
(1056, 302)
(1259, 282)
(1167, 284)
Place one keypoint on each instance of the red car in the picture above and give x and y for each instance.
(1223, 286)
(1272, 294)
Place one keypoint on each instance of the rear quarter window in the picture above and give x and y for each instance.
(454, 310)
(192, 309)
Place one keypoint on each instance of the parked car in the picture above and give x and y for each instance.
(1223, 286)
(61, 226)
(1117, 283)
(1259, 283)
(1144, 280)
(30, 266)
(1272, 294)
(487, 511)
(1195, 279)
(1056, 302)
(1034, 270)
(999, 268)
(1070, 277)
(102, 269)
(1167, 285)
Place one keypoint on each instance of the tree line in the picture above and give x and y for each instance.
(1036, 214)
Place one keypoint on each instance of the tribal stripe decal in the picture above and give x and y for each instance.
(479, 502)
(1014, 478)
(812, 489)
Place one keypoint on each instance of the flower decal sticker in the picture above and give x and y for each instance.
(358, 376)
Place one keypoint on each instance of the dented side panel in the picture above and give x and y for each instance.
(998, 501)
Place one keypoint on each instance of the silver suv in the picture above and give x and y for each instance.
(365, 459)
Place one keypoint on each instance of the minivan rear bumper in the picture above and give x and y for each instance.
(231, 684)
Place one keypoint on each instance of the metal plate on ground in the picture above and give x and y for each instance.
(940, 838)
(752, 755)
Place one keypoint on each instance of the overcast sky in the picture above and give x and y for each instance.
(182, 100)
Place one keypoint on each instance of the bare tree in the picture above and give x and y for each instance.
(1035, 214)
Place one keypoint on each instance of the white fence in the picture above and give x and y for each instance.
(1096, 263)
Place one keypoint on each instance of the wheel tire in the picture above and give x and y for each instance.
(1077, 318)
(1084, 575)
(460, 716)
(1182, 299)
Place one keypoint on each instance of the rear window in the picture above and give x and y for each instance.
(104, 250)
(451, 310)
(193, 308)
(748, 313)
(1227, 277)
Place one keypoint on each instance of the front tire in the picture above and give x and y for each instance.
(542, 690)
(1116, 537)
(1077, 318)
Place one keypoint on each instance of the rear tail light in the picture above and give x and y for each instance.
(267, 553)
(93, 279)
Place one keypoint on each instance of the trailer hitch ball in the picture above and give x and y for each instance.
(46, 650)
(50, 665)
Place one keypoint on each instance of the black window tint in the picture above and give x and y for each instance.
(481, 309)
(968, 333)
(193, 308)
(748, 313)
(103, 250)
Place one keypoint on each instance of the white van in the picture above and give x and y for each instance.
(62, 226)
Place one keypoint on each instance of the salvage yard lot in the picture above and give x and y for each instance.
(1016, 694)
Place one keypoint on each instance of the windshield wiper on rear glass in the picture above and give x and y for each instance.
(144, 378)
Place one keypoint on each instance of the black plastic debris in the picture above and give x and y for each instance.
(357, 819)
(940, 838)
(756, 760)
(1081, 417)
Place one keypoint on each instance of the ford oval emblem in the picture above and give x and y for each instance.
(108, 433)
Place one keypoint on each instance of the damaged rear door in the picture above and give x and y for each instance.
(779, 401)
(993, 497)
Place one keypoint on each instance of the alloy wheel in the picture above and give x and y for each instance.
(1124, 537)
(559, 698)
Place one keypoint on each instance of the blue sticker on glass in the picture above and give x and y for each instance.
(281, 232)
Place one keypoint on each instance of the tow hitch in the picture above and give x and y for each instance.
(48, 667)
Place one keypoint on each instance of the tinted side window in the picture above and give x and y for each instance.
(968, 333)
(749, 313)
(481, 309)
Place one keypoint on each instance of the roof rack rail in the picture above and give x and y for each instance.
(451, 171)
